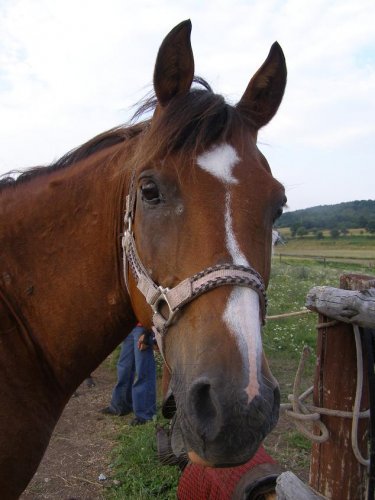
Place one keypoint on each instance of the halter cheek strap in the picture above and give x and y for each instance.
(166, 303)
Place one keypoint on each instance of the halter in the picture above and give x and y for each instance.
(166, 303)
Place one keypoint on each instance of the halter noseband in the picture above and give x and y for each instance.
(187, 290)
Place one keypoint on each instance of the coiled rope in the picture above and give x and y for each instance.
(302, 414)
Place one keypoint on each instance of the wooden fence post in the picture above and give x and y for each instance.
(334, 470)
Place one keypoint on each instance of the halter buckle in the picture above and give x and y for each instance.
(128, 219)
(161, 299)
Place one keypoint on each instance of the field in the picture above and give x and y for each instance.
(137, 470)
(352, 248)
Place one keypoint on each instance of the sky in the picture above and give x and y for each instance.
(70, 69)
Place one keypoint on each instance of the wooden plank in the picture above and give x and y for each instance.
(290, 487)
(344, 305)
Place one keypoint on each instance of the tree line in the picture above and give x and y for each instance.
(337, 218)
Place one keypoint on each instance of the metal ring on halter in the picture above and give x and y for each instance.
(163, 299)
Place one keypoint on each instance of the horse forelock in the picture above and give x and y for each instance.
(190, 124)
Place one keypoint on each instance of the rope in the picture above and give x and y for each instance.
(302, 413)
(289, 315)
(368, 338)
(357, 400)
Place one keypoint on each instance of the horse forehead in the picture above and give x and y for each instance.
(220, 161)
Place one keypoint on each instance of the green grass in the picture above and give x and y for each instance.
(287, 290)
(135, 464)
(284, 339)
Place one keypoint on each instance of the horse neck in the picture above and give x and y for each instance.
(61, 264)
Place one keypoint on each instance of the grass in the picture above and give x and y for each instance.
(360, 232)
(283, 341)
(136, 469)
(287, 292)
(135, 464)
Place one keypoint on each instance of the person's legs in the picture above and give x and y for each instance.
(121, 400)
(144, 387)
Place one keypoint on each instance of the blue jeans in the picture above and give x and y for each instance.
(136, 379)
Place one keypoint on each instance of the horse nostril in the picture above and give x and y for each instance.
(203, 403)
(204, 409)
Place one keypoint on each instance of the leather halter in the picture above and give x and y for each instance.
(160, 298)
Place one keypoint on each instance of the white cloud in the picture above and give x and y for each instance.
(69, 70)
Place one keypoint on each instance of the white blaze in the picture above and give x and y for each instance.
(242, 310)
(235, 252)
(219, 161)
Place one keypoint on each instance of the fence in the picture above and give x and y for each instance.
(365, 261)
(339, 466)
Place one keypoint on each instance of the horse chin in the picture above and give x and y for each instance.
(214, 454)
(196, 459)
(221, 462)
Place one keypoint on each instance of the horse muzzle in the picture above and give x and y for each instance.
(217, 426)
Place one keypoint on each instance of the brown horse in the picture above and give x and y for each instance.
(201, 201)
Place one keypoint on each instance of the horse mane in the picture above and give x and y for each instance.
(189, 123)
(100, 142)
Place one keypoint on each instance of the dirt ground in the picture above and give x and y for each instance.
(79, 451)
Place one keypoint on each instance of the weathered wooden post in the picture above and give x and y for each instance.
(335, 472)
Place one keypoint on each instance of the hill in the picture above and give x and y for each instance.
(348, 215)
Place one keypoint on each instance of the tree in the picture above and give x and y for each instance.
(352, 214)
(293, 229)
(301, 232)
(335, 233)
(362, 221)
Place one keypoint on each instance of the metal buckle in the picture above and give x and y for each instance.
(163, 299)
(128, 222)
(128, 215)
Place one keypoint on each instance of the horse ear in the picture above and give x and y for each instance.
(266, 89)
(174, 68)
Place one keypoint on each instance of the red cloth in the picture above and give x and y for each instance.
(207, 483)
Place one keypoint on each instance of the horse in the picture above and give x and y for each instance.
(167, 221)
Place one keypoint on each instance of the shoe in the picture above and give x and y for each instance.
(137, 421)
(90, 382)
(108, 410)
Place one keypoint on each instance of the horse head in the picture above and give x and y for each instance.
(198, 240)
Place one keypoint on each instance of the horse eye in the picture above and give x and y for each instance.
(150, 192)
(280, 210)
(279, 213)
